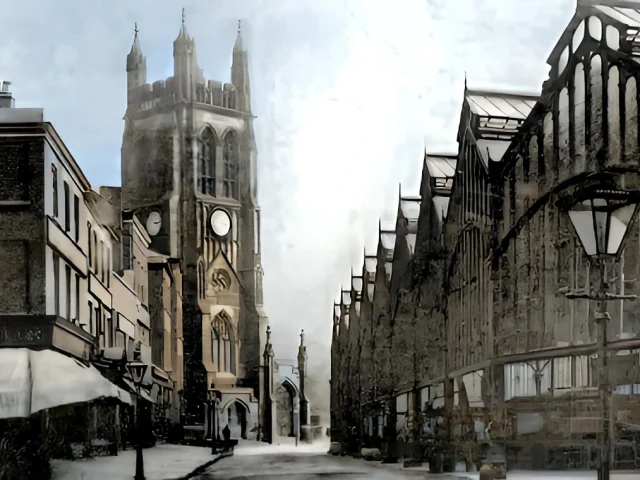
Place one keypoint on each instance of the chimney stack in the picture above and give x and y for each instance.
(6, 97)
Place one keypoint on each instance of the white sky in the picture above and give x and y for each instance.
(346, 92)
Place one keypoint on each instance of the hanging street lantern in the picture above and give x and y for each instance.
(601, 218)
(137, 370)
(602, 215)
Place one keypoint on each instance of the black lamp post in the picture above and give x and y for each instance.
(137, 371)
(601, 217)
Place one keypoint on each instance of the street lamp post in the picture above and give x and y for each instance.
(601, 217)
(137, 371)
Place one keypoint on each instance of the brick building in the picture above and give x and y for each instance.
(472, 326)
(74, 286)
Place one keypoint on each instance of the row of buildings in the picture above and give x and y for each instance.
(480, 322)
(79, 278)
(165, 269)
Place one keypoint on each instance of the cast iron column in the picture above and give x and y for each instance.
(139, 459)
(602, 319)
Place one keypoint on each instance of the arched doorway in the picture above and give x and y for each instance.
(285, 400)
(236, 417)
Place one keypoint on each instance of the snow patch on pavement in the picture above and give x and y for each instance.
(162, 462)
(255, 448)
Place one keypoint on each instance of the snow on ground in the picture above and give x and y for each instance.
(281, 446)
(161, 462)
(284, 462)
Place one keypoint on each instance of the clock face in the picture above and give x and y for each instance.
(154, 222)
(220, 222)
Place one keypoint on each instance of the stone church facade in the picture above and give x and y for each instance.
(189, 173)
(469, 328)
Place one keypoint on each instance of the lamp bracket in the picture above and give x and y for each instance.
(599, 298)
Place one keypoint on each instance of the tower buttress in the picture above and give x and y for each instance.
(136, 66)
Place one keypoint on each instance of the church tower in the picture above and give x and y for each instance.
(189, 174)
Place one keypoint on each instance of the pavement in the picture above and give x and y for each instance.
(162, 462)
(304, 462)
(255, 461)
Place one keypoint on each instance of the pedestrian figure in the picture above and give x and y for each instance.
(226, 433)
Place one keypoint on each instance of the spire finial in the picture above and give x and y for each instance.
(268, 333)
(465, 79)
(302, 337)
(238, 45)
(135, 46)
(183, 16)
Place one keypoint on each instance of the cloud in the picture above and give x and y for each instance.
(347, 93)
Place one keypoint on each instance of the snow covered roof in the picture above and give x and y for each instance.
(505, 105)
(622, 14)
(441, 167)
(442, 170)
(500, 113)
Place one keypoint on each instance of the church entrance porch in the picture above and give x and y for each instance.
(236, 416)
(286, 410)
(237, 409)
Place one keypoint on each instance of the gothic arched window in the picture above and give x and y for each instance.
(222, 351)
(207, 162)
(231, 166)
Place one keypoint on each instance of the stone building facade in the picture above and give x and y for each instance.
(292, 404)
(469, 328)
(189, 173)
(74, 298)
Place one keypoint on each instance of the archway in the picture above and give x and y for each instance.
(286, 394)
(236, 414)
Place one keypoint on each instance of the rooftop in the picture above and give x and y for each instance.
(500, 113)
(21, 115)
(442, 170)
(441, 166)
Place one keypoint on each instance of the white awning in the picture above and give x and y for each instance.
(31, 381)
